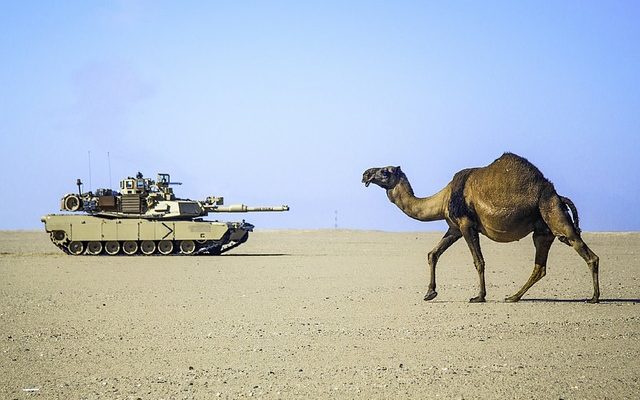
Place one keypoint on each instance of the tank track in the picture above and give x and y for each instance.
(206, 248)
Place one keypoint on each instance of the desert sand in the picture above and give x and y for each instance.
(318, 314)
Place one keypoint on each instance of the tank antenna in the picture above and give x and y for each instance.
(89, 170)
(109, 162)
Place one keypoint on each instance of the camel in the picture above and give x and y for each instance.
(504, 201)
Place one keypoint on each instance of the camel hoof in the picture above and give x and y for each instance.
(512, 299)
(479, 299)
(431, 294)
(593, 300)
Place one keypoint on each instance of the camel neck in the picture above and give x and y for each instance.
(430, 208)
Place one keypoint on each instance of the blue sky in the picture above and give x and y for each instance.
(289, 102)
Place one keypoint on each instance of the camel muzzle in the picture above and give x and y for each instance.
(368, 176)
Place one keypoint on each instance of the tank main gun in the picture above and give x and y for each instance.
(243, 208)
(215, 204)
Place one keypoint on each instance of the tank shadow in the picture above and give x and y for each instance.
(256, 255)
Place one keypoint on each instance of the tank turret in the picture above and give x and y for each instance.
(146, 217)
(142, 197)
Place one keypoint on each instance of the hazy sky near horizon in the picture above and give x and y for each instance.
(288, 102)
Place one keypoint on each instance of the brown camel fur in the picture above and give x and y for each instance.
(505, 201)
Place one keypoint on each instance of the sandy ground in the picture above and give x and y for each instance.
(317, 314)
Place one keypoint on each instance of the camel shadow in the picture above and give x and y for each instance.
(622, 301)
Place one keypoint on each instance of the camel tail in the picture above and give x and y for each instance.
(574, 212)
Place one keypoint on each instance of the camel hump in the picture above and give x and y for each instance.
(517, 164)
(509, 173)
(514, 175)
(510, 182)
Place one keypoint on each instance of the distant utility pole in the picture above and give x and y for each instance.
(109, 162)
(335, 225)
(89, 170)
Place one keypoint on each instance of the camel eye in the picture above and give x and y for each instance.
(384, 173)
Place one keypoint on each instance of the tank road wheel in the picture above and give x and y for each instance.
(130, 247)
(112, 247)
(187, 247)
(165, 247)
(147, 247)
(58, 236)
(94, 248)
(76, 248)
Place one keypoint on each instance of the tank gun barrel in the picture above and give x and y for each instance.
(244, 208)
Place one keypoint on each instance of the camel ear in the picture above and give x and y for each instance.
(398, 170)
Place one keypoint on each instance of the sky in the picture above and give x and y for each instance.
(288, 102)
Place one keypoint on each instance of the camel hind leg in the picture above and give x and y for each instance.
(554, 213)
(542, 240)
(472, 238)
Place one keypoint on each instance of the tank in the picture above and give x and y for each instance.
(145, 218)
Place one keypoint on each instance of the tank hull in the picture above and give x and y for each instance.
(92, 235)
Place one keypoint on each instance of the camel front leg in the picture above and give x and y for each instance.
(471, 236)
(447, 240)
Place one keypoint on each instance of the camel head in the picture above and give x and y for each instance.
(385, 177)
